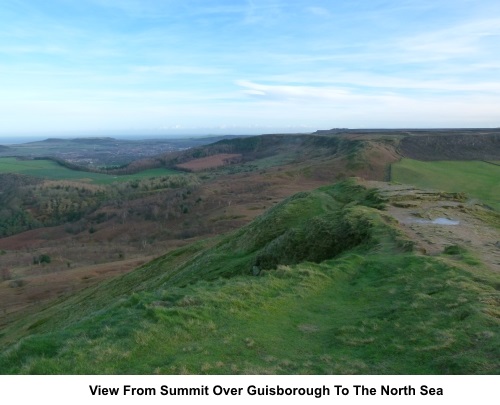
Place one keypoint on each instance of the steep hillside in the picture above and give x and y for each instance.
(452, 147)
(290, 148)
(430, 144)
(325, 282)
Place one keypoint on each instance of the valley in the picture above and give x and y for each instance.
(96, 152)
(202, 247)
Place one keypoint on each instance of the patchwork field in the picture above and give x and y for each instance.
(477, 179)
(48, 169)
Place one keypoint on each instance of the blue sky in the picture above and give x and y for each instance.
(193, 66)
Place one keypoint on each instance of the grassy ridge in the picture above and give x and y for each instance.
(477, 179)
(51, 170)
(349, 315)
(369, 306)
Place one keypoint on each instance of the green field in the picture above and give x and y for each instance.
(48, 169)
(479, 180)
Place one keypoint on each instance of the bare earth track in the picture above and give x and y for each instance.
(435, 220)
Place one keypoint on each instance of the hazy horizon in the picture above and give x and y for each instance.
(149, 135)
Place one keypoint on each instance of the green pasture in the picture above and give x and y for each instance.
(477, 179)
(50, 170)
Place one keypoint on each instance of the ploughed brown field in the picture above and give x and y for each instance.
(210, 162)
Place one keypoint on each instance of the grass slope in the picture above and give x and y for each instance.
(48, 169)
(355, 300)
(477, 179)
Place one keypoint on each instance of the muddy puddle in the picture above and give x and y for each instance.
(436, 221)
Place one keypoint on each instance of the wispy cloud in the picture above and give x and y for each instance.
(366, 80)
(461, 40)
(263, 12)
(34, 49)
(319, 11)
(282, 92)
(173, 70)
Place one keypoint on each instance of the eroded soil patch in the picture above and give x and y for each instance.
(436, 220)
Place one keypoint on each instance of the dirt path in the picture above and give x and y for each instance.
(435, 220)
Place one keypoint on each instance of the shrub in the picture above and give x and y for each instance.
(42, 259)
(6, 274)
(453, 250)
(320, 239)
(17, 283)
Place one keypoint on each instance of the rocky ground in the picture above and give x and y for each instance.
(436, 220)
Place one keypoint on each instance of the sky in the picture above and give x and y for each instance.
(246, 66)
